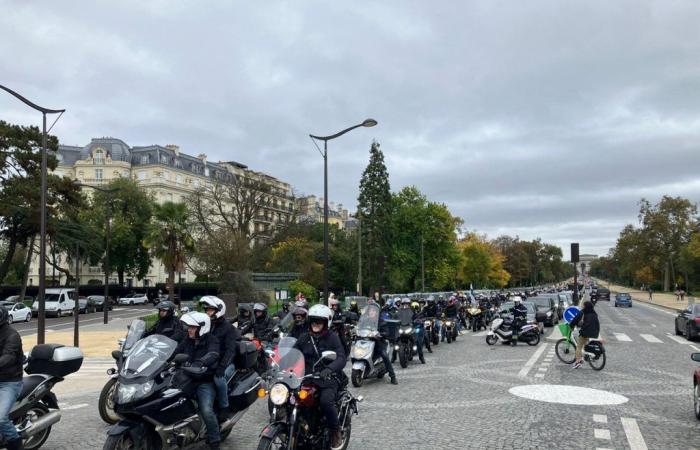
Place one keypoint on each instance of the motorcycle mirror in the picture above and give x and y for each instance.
(116, 354)
(329, 355)
(270, 353)
(181, 358)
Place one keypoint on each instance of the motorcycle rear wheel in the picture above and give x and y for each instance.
(277, 441)
(534, 340)
(491, 339)
(36, 441)
(356, 377)
(566, 352)
(105, 404)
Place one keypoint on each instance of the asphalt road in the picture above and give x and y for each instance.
(93, 321)
(465, 397)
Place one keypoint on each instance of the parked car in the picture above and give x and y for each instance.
(85, 305)
(15, 299)
(623, 299)
(548, 306)
(134, 299)
(99, 302)
(19, 312)
(57, 302)
(696, 386)
(688, 322)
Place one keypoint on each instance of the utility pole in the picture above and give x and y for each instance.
(359, 255)
(76, 310)
(422, 263)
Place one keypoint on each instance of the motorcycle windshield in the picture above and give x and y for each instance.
(369, 321)
(406, 317)
(136, 330)
(148, 356)
(290, 368)
(286, 323)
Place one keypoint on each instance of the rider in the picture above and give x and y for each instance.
(590, 328)
(312, 344)
(338, 319)
(381, 344)
(301, 325)
(244, 318)
(11, 359)
(282, 313)
(203, 349)
(519, 318)
(228, 338)
(354, 308)
(167, 324)
(415, 319)
(419, 318)
(262, 327)
(451, 311)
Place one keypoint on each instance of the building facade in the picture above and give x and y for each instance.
(310, 208)
(169, 175)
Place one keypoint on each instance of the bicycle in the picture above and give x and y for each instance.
(593, 352)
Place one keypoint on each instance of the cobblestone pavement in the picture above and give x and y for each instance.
(460, 399)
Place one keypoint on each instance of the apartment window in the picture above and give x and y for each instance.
(99, 156)
(163, 159)
(144, 159)
(179, 179)
(166, 175)
(98, 174)
(170, 197)
(142, 175)
(196, 183)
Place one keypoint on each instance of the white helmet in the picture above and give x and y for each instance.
(197, 319)
(211, 301)
(516, 299)
(321, 312)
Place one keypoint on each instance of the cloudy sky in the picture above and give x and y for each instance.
(534, 118)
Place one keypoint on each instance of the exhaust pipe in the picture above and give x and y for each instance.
(41, 424)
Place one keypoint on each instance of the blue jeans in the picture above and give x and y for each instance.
(206, 394)
(9, 391)
(221, 384)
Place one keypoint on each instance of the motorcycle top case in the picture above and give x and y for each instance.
(54, 359)
(246, 355)
(245, 393)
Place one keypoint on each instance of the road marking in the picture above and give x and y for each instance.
(622, 337)
(539, 375)
(653, 325)
(542, 369)
(634, 436)
(601, 433)
(694, 348)
(678, 339)
(480, 333)
(81, 405)
(531, 362)
(651, 338)
(600, 418)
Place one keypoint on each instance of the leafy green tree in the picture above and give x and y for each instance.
(169, 239)
(299, 286)
(297, 255)
(374, 213)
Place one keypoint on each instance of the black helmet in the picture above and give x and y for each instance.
(167, 306)
(3, 316)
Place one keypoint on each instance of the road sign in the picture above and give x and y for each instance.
(570, 313)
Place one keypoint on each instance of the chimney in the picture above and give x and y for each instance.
(174, 148)
(203, 157)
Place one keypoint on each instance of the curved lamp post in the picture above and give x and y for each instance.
(41, 315)
(325, 139)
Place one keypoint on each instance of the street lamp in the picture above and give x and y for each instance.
(41, 315)
(325, 139)
(109, 192)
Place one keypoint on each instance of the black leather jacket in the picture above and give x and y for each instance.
(169, 327)
(228, 337)
(262, 328)
(203, 351)
(312, 346)
(11, 355)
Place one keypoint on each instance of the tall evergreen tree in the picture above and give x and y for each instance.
(374, 212)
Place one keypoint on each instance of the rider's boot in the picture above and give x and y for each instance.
(15, 444)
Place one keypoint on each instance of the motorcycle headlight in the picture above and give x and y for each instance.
(400, 330)
(426, 323)
(127, 393)
(360, 352)
(408, 330)
(279, 394)
(549, 313)
(448, 324)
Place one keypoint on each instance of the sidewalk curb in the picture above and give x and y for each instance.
(675, 310)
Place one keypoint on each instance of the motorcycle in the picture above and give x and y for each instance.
(478, 320)
(155, 397)
(502, 330)
(365, 358)
(36, 409)
(449, 328)
(428, 333)
(105, 404)
(296, 421)
(435, 337)
(406, 343)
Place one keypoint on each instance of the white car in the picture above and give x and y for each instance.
(19, 312)
(133, 299)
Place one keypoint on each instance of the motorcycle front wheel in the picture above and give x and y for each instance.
(565, 350)
(105, 404)
(491, 339)
(436, 338)
(120, 442)
(403, 356)
(36, 441)
(449, 336)
(356, 377)
(277, 441)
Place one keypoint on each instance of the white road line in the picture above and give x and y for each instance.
(678, 339)
(634, 436)
(531, 362)
(542, 369)
(601, 433)
(539, 375)
(694, 348)
(600, 418)
(651, 338)
(480, 333)
(653, 325)
(622, 337)
(78, 406)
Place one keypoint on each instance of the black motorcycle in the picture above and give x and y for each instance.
(36, 409)
(406, 343)
(296, 421)
(448, 328)
(155, 397)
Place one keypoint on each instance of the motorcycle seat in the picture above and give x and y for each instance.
(29, 383)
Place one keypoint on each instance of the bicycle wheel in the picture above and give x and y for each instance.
(565, 350)
(597, 363)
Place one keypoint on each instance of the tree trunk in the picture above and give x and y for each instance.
(30, 253)
(171, 283)
(120, 276)
(5, 266)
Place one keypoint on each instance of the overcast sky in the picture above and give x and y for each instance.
(542, 119)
